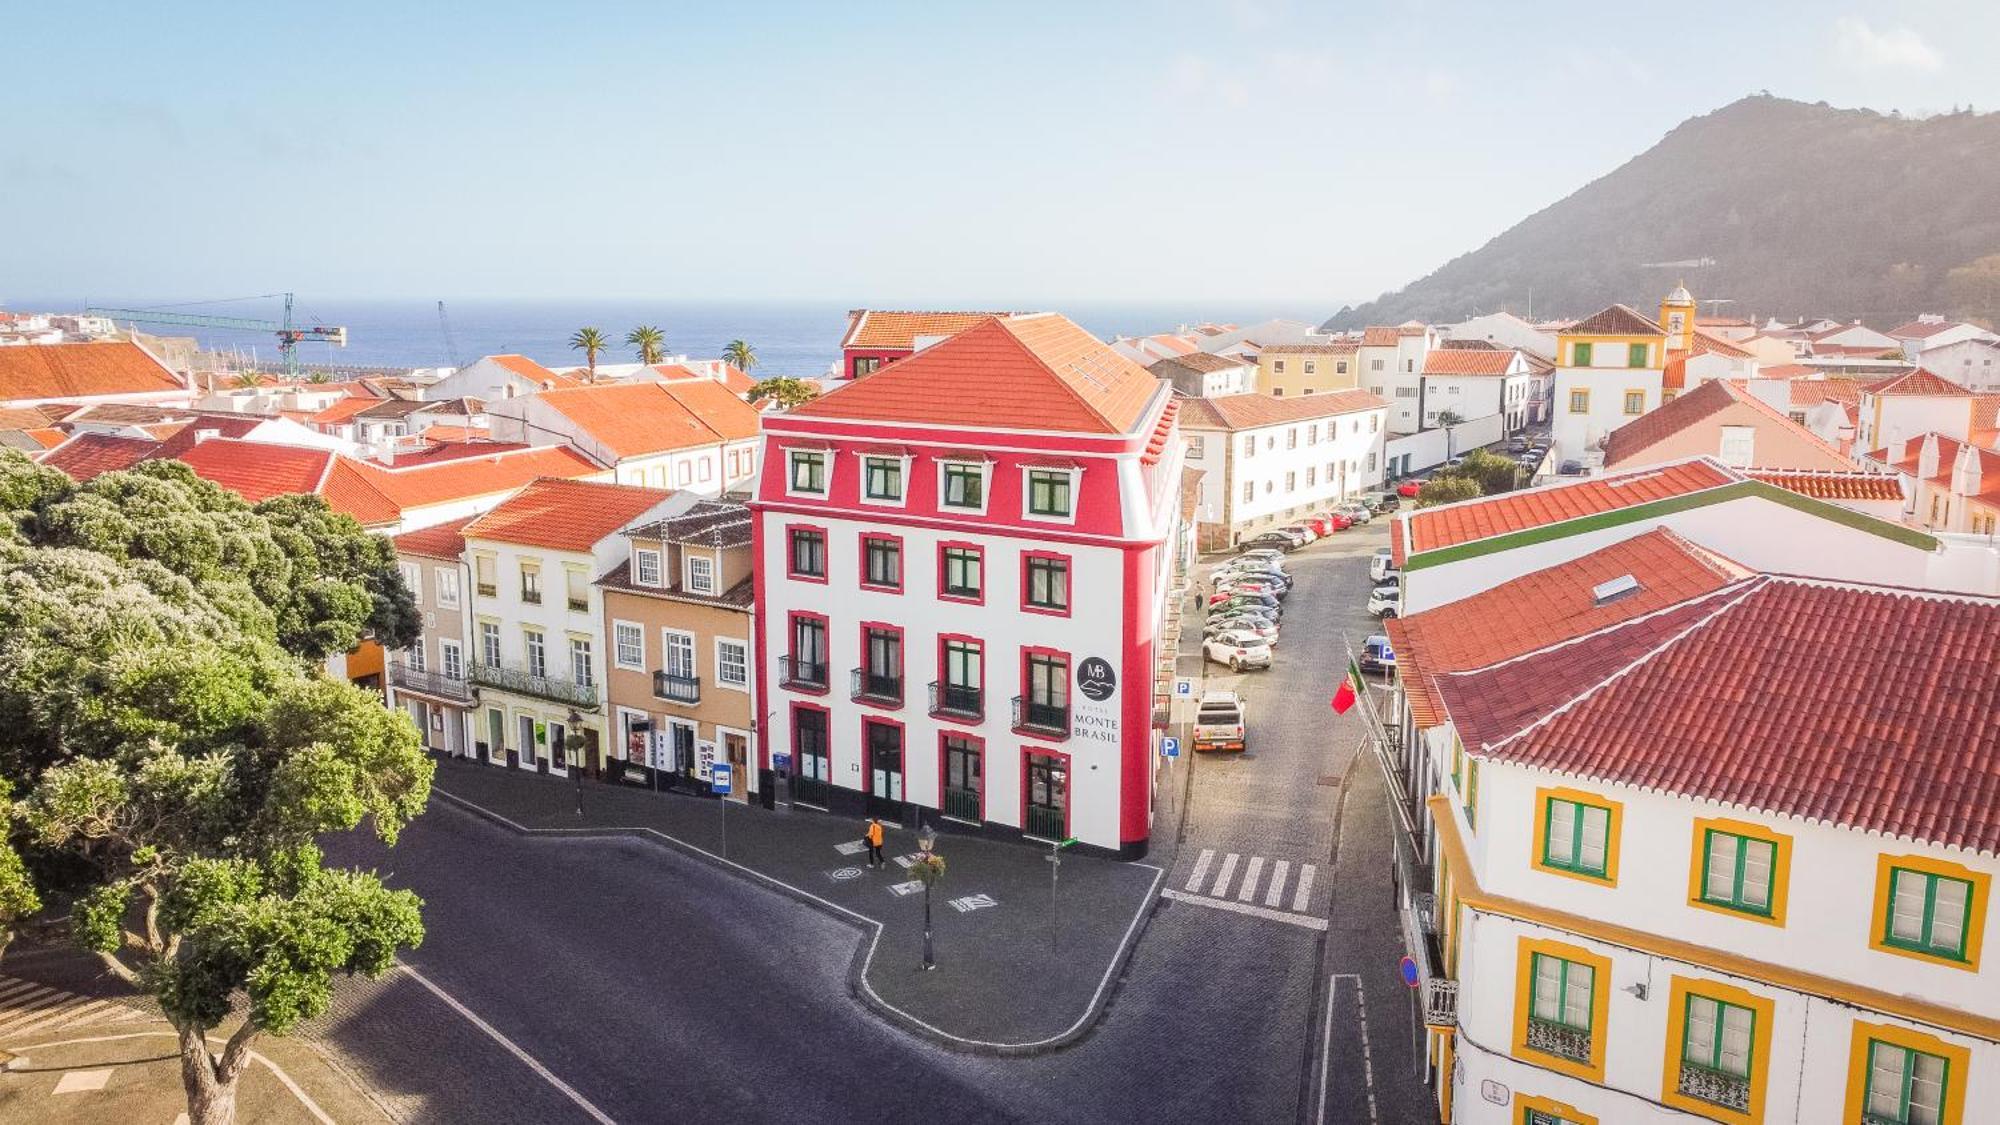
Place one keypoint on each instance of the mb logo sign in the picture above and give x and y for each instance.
(1096, 679)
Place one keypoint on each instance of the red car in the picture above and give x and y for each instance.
(1339, 522)
(1409, 488)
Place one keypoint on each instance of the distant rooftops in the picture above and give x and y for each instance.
(36, 372)
(1252, 411)
(899, 330)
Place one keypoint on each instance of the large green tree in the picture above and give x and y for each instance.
(176, 748)
(787, 390)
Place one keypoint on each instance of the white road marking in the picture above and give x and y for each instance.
(1276, 894)
(1251, 873)
(1326, 1046)
(1200, 869)
(1301, 896)
(1222, 877)
(546, 1074)
(1300, 920)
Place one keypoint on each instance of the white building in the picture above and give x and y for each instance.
(495, 377)
(1391, 366)
(965, 567)
(690, 434)
(1474, 383)
(1931, 330)
(1973, 364)
(1610, 369)
(535, 618)
(1505, 330)
(1671, 879)
(1267, 461)
(1909, 406)
(1204, 375)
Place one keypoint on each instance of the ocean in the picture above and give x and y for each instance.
(790, 338)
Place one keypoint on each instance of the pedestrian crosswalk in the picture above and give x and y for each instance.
(30, 1009)
(1284, 895)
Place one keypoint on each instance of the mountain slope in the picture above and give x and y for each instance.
(1800, 208)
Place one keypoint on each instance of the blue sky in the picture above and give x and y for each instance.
(874, 153)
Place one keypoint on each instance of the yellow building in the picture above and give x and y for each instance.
(1290, 370)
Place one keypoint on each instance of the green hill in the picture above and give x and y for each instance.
(1792, 209)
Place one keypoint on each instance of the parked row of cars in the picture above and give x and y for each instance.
(1340, 517)
(1245, 608)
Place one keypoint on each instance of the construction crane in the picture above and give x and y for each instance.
(289, 335)
(450, 345)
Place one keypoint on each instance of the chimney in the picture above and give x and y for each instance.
(1927, 458)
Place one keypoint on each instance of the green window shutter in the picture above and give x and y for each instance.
(1579, 355)
(1635, 355)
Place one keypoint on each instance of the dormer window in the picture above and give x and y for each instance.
(962, 485)
(700, 574)
(646, 566)
(808, 471)
(882, 479)
(1050, 493)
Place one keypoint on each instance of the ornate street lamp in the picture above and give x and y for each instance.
(929, 867)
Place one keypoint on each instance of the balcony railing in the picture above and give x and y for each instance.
(957, 701)
(532, 597)
(430, 683)
(1051, 719)
(961, 804)
(579, 605)
(1045, 823)
(1558, 1039)
(803, 675)
(676, 689)
(1719, 1087)
(874, 687)
(527, 683)
(811, 790)
(488, 590)
(1440, 1002)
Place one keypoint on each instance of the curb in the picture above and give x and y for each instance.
(864, 954)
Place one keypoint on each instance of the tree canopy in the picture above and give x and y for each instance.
(786, 389)
(175, 746)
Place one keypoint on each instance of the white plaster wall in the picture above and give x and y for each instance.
(1349, 442)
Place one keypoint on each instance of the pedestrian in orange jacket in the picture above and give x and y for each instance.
(874, 838)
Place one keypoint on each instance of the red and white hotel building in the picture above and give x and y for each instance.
(964, 561)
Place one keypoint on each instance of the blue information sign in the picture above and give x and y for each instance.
(1170, 747)
(719, 777)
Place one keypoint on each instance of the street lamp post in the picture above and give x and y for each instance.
(573, 750)
(932, 866)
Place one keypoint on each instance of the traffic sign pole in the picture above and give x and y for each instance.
(720, 776)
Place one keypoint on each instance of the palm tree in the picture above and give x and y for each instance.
(740, 355)
(589, 341)
(651, 342)
(1448, 419)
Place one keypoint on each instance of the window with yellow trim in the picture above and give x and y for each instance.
(1899, 1076)
(1579, 401)
(1577, 837)
(1561, 1004)
(1738, 872)
(1635, 402)
(1548, 1111)
(1930, 909)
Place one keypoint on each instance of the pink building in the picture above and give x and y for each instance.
(964, 564)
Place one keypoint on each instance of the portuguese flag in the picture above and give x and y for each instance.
(1350, 689)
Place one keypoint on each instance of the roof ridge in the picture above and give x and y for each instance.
(1743, 590)
(1005, 325)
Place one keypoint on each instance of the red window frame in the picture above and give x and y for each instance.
(792, 619)
(902, 562)
(985, 770)
(826, 555)
(1069, 783)
(868, 754)
(1069, 569)
(944, 669)
(826, 724)
(962, 545)
(902, 647)
(1027, 689)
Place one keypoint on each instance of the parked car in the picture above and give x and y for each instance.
(1324, 524)
(1276, 541)
(1221, 722)
(1354, 510)
(1251, 586)
(1302, 531)
(1340, 522)
(1382, 565)
(1232, 601)
(1254, 571)
(1571, 469)
(1517, 445)
(1409, 488)
(1239, 650)
(1379, 502)
(1261, 626)
(1385, 601)
(1377, 655)
(1267, 554)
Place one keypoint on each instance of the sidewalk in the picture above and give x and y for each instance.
(87, 1059)
(1023, 967)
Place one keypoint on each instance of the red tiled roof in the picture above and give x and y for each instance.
(1787, 371)
(1336, 347)
(257, 471)
(1250, 411)
(1812, 392)
(1869, 707)
(1920, 329)
(340, 410)
(442, 541)
(638, 419)
(1674, 373)
(39, 371)
(565, 515)
(1468, 361)
(1618, 320)
(1547, 607)
(1695, 408)
(187, 435)
(1918, 382)
(1705, 343)
(1032, 372)
(1379, 336)
(431, 454)
(1469, 520)
(894, 330)
(1832, 485)
(528, 369)
(466, 478)
(86, 455)
(28, 417)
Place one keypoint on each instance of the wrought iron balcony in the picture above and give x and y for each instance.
(1731, 1091)
(403, 676)
(1558, 1039)
(957, 701)
(1045, 823)
(801, 675)
(875, 687)
(522, 682)
(1047, 719)
(1440, 1002)
(579, 605)
(961, 804)
(531, 597)
(676, 689)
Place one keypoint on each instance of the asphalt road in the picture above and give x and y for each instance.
(630, 983)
